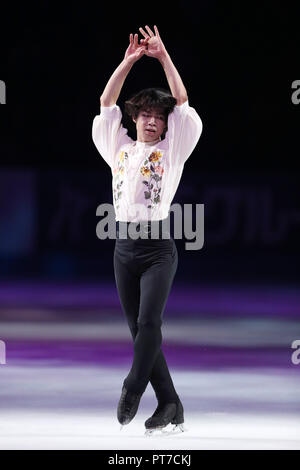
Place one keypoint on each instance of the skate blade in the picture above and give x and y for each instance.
(178, 429)
(154, 431)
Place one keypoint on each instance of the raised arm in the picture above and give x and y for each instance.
(114, 85)
(155, 48)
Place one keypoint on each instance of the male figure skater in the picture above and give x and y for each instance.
(146, 174)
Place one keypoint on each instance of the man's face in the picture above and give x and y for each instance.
(150, 124)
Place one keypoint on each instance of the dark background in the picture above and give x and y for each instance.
(237, 60)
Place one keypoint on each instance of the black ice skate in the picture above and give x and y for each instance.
(128, 406)
(164, 415)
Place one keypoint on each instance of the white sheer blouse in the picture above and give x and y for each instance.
(145, 176)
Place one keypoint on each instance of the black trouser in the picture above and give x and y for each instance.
(144, 272)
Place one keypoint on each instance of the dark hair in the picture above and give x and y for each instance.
(150, 98)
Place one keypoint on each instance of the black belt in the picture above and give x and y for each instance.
(154, 229)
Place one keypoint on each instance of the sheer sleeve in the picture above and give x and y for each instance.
(108, 133)
(184, 131)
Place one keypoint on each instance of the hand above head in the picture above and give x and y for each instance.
(135, 50)
(153, 43)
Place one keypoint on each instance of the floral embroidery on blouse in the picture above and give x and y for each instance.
(153, 170)
(118, 172)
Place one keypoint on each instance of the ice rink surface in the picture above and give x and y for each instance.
(64, 370)
(75, 408)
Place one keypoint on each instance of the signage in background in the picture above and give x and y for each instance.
(2, 92)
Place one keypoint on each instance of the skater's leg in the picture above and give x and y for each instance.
(128, 286)
(156, 283)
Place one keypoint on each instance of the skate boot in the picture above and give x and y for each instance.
(128, 406)
(178, 420)
(163, 415)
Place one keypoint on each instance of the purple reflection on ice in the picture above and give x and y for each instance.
(183, 299)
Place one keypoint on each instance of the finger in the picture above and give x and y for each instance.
(144, 42)
(130, 39)
(139, 52)
(143, 33)
(156, 31)
(149, 30)
(135, 40)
